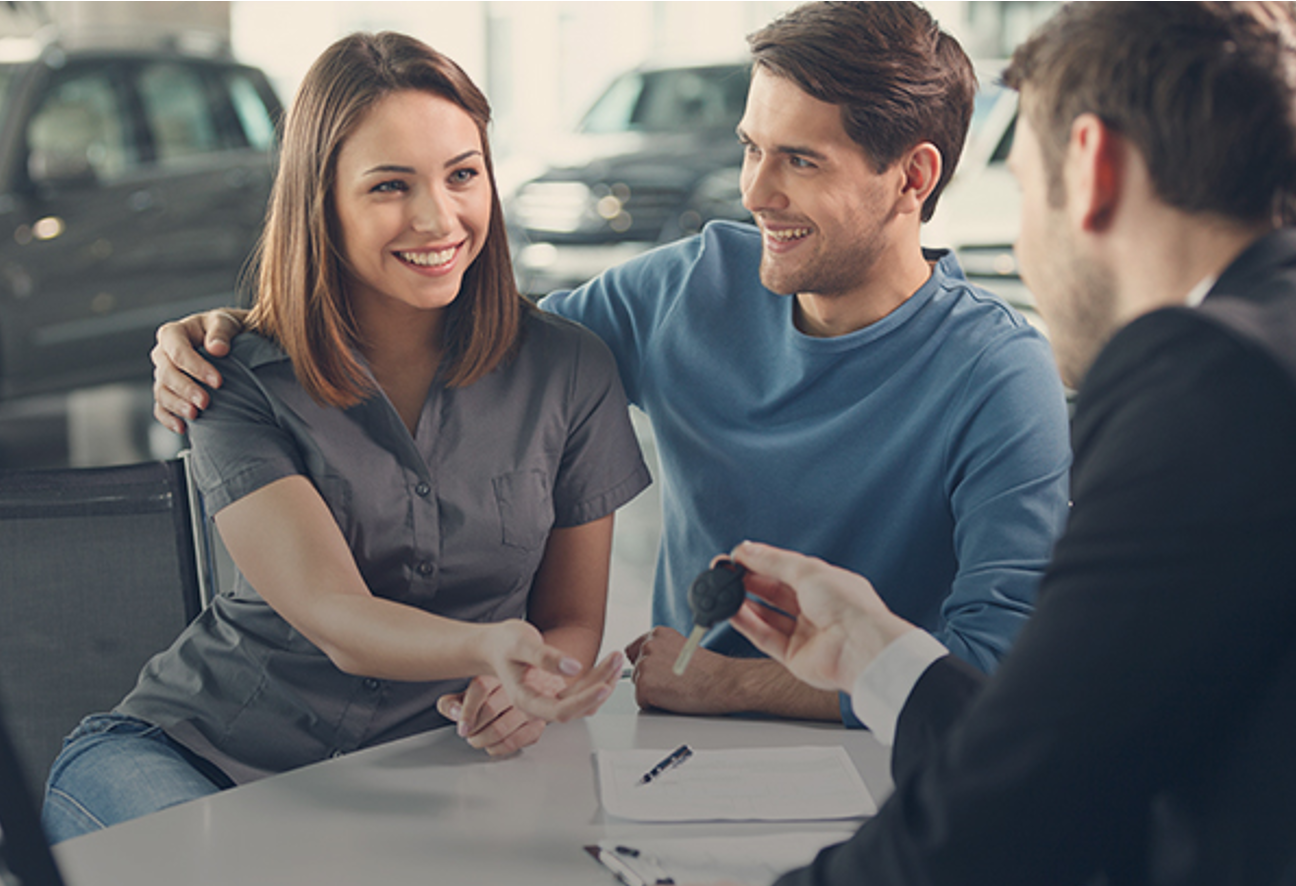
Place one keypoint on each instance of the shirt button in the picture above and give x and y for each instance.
(371, 684)
(423, 489)
(425, 568)
(337, 753)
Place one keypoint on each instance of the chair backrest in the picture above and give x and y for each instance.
(98, 572)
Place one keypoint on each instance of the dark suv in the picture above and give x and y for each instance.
(653, 160)
(133, 185)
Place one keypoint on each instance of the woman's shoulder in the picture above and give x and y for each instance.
(254, 350)
(562, 346)
(542, 329)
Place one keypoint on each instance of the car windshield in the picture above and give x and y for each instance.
(675, 100)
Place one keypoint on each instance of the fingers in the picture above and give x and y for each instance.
(176, 397)
(551, 659)
(178, 368)
(581, 698)
(501, 728)
(474, 713)
(450, 706)
(788, 567)
(635, 647)
(768, 630)
(587, 694)
(220, 327)
(773, 592)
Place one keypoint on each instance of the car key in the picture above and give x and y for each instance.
(714, 596)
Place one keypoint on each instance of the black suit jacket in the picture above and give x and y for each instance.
(1142, 728)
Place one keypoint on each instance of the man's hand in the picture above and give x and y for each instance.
(832, 623)
(718, 684)
(702, 688)
(177, 397)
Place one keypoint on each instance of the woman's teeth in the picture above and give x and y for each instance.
(428, 259)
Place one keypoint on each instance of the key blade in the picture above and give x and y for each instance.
(690, 646)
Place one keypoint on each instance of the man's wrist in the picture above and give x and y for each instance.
(867, 638)
(764, 686)
(881, 689)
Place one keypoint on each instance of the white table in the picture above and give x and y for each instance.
(430, 809)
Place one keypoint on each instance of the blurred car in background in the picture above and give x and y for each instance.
(133, 185)
(653, 160)
(979, 215)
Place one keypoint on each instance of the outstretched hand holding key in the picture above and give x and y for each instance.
(714, 596)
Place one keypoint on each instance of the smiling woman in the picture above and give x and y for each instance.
(413, 204)
(413, 471)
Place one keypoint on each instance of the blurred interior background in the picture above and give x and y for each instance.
(136, 143)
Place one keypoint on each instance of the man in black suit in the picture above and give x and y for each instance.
(1142, 729)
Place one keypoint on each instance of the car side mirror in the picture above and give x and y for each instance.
(64, 169)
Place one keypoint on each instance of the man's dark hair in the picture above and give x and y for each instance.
(899, 79)
(1205, 91)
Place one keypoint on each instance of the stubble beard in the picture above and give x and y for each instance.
(831, 273)
(1081, 314)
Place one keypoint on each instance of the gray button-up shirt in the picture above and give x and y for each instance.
(453, 520)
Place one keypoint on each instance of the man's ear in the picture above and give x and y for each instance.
(1095, 172)
(921, 165)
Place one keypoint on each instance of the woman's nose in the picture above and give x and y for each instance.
(431, 213)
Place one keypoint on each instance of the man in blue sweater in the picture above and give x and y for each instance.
(817, 380)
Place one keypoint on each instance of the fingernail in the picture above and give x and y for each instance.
(454, 712)
(462, 729)
(603, 693)
(569, 666)
(617, 660)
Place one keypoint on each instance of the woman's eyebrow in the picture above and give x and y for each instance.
(387, 168)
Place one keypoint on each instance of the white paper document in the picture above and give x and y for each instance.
(748, 860)
(738, 784)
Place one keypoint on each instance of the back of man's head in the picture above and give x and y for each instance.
(1205, 91)
(899, 79)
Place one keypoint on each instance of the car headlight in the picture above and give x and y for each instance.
(561, 207)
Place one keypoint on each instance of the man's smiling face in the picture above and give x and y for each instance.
(822, 206)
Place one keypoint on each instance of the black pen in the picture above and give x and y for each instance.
(676, 757)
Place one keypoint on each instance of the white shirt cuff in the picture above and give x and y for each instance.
(882, 689)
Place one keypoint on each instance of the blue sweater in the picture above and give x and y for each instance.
(928, 451)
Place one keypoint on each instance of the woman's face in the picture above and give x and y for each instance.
(413, 203)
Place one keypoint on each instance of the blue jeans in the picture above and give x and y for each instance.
(114, 768)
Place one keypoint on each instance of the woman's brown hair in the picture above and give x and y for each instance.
(301, 294)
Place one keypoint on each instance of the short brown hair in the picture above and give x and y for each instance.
(899, 79)
(301, 279)
(1205, 91)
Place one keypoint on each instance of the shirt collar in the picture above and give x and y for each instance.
(1198, 293)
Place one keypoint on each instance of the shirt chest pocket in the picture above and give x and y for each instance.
(525, 508)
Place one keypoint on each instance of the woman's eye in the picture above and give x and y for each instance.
(389, 187)
(463, 176)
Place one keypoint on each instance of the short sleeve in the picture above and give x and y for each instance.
(238, 444)
(602, 467)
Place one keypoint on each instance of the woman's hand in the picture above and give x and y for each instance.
(489, 719)
(514, 647)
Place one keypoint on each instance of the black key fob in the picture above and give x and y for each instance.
(717, 594)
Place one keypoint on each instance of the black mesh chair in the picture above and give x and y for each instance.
(99, 570)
